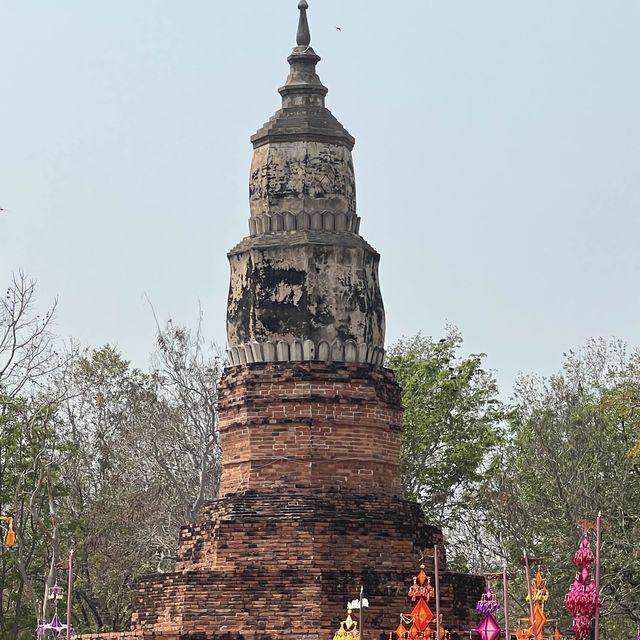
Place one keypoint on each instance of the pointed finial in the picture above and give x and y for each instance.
(303, 37)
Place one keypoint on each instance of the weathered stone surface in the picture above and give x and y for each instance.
(302, 275)
(302, 176)
(296, 290)
(302, 120)
(304, 115)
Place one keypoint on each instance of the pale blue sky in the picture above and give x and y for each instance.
(497, 158)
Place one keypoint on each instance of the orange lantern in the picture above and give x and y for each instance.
(10, 537)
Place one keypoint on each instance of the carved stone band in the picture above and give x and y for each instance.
(327, 221)
(297, 351)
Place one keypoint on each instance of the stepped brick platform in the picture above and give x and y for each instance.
(264, 565)
(309, 511)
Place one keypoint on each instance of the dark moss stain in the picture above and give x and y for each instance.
(359, 298)
(281, 316)
(375, 318)
(323, 316)
(307, 302)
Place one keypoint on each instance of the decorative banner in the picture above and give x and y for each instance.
(417, 624)
(536, 628)
(355, 604)
(582, 600)
(10, 537)
(348, 629)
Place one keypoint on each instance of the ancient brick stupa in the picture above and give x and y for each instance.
(310, 505)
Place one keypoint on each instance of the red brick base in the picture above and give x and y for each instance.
(269, 565)
(310, 424)
(309, 512)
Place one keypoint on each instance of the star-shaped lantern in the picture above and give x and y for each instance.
(537, 627)
(489, 629)
(417, 624)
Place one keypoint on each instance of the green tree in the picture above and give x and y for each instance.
(29, 486)
(451, 422)
(97, 456)
(145, 460)
(570, 454)
(30, 456)
(27, 356)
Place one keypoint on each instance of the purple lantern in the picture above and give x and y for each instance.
(56, 627)
(488, 602)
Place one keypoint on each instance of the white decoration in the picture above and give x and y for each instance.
(355, 604)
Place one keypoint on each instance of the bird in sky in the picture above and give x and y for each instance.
(338, 28)
(5, 210)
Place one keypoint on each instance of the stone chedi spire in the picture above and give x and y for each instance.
(304, 284)
(309, 507)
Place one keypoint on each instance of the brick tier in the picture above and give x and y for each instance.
(310, 424)
(265, 565)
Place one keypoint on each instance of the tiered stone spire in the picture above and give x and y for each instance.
(309, 509)
(304, 284)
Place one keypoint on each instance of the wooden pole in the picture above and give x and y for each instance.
(505, 602)
(526, 570)
(69, 595)
(596, 626)
(436, 571)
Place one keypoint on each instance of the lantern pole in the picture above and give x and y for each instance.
(596, 631)
(361, 632)
(505, 599)
(526, 570)
(436, 570)
(69, 594)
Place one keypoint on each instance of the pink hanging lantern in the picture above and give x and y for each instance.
(582, 600)
(488, 629)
